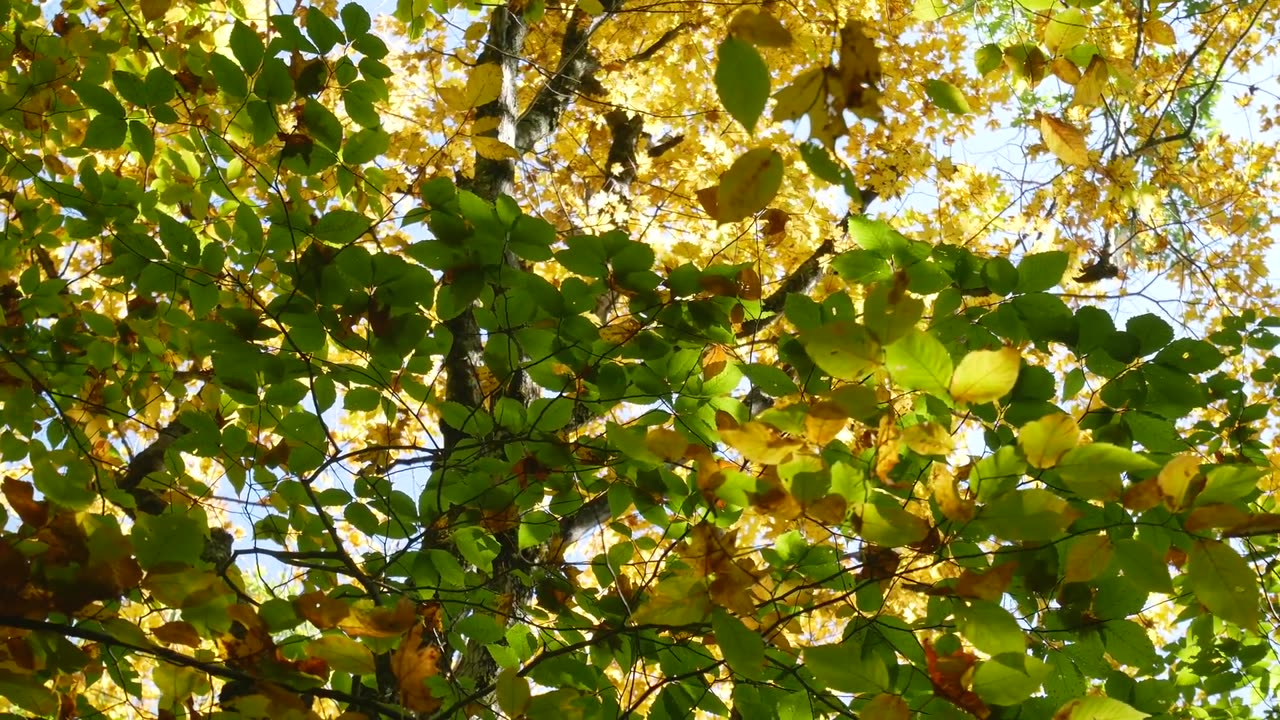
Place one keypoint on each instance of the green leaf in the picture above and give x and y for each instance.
(1143, 566)
(1009, 679)
(985, 376)
(1041, 271)
(1033, 515)
(1151, 331)
(247, 46)
(1224, 583)
(844, 349)
(885, 522)
(105, 132)
(1228, 483)
(1093, 471)
(322, 125)
(918, 361)
(512, 693)
(355, 20)
(749, 184)
(1095, 707)
(99, 99)
(990, 628)
(743, 648)
(947, 96)
(341, 227)
(770, 379)
(877, 236)
(988, 58)
(274, 84)
(843, 668)
(1129, 644)
(478, 547)
(170, 538)
(364, 145)
(742, 80)
(323, 31)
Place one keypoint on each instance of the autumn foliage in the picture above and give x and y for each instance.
(601, 360)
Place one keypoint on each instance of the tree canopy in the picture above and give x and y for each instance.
(638, 359)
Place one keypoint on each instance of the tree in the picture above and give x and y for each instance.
(514, 360)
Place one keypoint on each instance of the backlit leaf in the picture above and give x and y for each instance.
(742, 80)
(1046, 440)
(1224, 583)
(749, 184)
(945, 95)
(985, 375)
(1064, 140)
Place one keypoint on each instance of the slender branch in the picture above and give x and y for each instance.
(176, 658)
(801, 280)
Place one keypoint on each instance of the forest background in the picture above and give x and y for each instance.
(790, 360)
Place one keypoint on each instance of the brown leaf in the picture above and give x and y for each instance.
(824, 422)
(1065, 70)
(708, 199)
(321, 610)
(714, 362)
(1258, 524)
(1142, 496)
(380, 622)
(1214, 516)
(416, 660)
(21, 498)
(988, 585)
(1064, 140)
(946, 493)
(178, 632)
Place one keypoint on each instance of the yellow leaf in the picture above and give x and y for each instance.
(1160, 32)
(667, 444)
(1064, 140)
(759, 28)
(1065, 70)
(985, 375)
(1065, 30)
(1089, 88)
(343, 654)
(886, 707)
(927, 10)
(946, 493)
(824, 421)
(591, 7)
(760, 443)
(475, 32)
(1088, 558)
(493, 148)
(1046, 440)
(483, 85)
(1178, 481)
(929, 439)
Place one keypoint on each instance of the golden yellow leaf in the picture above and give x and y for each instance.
(946, 493)
(368, 620)
(929, 438)
(1179, 479)
(591, 7)
(714, 362)
(928, 9)
(1046, 440)
(1160, 32)
(1065, 70)
(1088, 558)
(475, 32)
(483, 85)
(759, 28)
(1092, 82)
(178, 632)
(760, 443)
(1064, 140)
(985, 375)
(493, 148)
(670, 445)
(1142, 496)
(824, 421)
